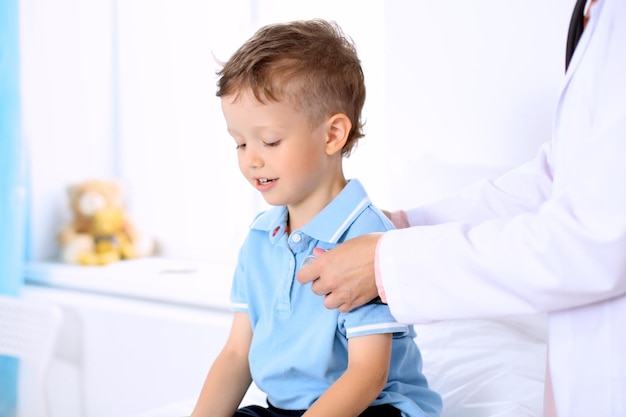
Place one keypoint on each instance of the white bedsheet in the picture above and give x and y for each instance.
(482, 368)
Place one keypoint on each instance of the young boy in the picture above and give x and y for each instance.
(292, 97)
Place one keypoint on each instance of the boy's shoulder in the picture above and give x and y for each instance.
(361, 216)
(370, 220)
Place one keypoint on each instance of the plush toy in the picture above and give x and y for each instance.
(100, 232)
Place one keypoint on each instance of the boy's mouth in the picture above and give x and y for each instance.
(265, 181)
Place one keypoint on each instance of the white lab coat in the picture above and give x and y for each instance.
(549, 236)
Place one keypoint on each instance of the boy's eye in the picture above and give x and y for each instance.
(271, 143)
(241, 146)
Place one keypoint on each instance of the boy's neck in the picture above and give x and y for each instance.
(299, 216)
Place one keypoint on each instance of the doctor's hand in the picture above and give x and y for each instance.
(344, 274)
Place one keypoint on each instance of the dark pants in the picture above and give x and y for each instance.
(384, 410)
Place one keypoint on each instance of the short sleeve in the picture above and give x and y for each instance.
(238, 291)
(371, 319)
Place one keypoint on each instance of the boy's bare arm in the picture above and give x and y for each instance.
(361, 383)
(229, 376)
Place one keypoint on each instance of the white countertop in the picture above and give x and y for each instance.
(156, 279)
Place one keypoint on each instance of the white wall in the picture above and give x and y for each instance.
(482, 76)
(66, 98)
(470, 89)
(125, 89)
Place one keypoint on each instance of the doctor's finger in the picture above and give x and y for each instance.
(321, 287)
(308, 273)
(332, 301)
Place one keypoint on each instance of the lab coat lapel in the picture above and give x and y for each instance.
(583, 43)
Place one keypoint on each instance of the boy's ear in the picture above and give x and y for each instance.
(339, 126)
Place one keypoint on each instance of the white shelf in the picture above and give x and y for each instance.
(183, 282)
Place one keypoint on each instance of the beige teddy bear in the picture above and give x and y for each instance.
(100, 232)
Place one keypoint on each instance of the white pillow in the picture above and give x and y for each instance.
(486, 368)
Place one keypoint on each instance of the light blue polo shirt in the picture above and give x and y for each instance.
(299, 347)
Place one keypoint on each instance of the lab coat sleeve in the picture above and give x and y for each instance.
(569, 252)
(538, 261)
(557, 243)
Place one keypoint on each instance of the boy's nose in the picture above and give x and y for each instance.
(253, 158)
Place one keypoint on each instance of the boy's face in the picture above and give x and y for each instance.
(279, 152)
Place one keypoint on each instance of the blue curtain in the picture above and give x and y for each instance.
(12, 185)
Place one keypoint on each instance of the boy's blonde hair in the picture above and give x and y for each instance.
(311, 64)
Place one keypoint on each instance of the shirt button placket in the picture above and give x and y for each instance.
(298, 243)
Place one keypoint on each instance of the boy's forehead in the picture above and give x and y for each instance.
(242, 98)
(247, 108)
(245, 111)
